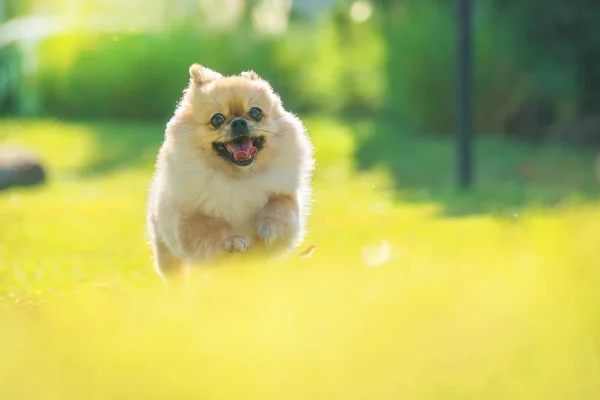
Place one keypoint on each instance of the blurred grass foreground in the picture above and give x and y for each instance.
(397, 300)
(414, 291)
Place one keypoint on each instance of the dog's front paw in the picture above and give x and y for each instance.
(273, 229)
(270, 230)
(237, 244)
(278, 224)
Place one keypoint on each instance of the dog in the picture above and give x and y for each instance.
(233, 174)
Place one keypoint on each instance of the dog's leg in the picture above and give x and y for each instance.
(168, 266)
(279, 224)
(202, 237)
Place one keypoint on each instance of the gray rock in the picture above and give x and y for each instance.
(19, 167)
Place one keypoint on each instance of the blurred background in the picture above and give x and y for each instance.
(536, 63)
(390, 64)
(415, 289)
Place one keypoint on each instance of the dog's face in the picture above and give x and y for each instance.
(236, 116)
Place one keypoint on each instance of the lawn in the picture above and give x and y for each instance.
(414, 291)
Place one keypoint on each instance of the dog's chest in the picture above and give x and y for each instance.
(238, 202)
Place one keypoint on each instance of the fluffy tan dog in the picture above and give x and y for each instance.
(233, 173)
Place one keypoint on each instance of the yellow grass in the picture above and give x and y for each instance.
(397, 301)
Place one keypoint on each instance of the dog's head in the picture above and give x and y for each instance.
(236, 116)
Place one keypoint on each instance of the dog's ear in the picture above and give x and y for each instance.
(253, 76)
(201, 75)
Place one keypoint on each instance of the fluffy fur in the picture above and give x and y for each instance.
(201, 204)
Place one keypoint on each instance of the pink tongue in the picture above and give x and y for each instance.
(242, 148)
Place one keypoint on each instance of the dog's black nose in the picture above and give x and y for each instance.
(239, 127)
(239, 123)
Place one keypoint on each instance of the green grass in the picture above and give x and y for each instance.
(508, 176)
(398, 300)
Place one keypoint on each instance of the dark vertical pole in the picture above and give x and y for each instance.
(464, 104)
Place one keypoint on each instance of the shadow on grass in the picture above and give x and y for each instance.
(121, 145)
(509, 175)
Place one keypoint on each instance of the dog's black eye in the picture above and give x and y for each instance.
(256, 113)
(217, 120)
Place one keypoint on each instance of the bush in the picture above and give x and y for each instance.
(402, 60)
(138, 76)
(141, 76)
(559, 48)
(421, 69)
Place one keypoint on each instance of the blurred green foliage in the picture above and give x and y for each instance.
(527, 79)
(141, 76)
(559, 50)
(421, 69)
(535, 69)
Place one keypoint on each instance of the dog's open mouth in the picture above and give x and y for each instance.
(240, 151)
